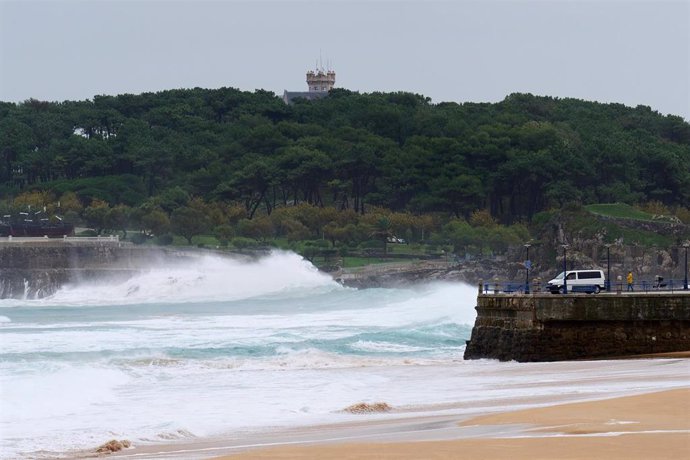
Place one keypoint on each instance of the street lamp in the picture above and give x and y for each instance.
(565, 268)
(608, 267)
(528, 264)
(685, 281)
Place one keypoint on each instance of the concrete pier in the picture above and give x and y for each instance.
(546, 327)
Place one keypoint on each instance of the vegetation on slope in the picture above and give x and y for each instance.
(346, 170)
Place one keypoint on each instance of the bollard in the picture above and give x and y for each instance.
(619, 284)
(536, 285)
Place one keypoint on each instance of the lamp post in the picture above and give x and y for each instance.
(565, 268)
(608, 267)
(685, 281)
(527, 266)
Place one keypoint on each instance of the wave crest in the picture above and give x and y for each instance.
(211, 278)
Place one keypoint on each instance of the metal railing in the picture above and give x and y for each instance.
(614, 287)
(66, 239)
(670, 285)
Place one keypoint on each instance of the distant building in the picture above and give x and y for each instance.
(319, 82)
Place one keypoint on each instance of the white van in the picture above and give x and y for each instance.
(578, 281)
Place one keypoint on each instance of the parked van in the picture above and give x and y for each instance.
(578, 281)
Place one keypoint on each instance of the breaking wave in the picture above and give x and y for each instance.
(211, 278)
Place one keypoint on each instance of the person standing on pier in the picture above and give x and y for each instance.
(630, 281)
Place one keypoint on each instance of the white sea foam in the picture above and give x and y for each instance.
(210, 278)
(378, 347)
(250, 346)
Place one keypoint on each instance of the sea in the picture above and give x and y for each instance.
(181, 353)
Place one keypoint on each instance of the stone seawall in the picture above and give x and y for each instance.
(545, 327)
(39, 268)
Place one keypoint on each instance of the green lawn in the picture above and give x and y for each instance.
(353, 262)
(619, 210)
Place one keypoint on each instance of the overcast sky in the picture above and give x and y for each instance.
(633, 52)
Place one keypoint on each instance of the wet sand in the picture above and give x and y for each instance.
(583, 411)
(649, 426)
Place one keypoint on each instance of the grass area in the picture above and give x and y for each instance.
(620, 211)
(646, 238)
(206, 240)
(354, 262)
(613, 232)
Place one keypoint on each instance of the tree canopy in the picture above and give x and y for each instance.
(349, 151)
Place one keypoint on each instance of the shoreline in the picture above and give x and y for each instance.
(464, 425)
(651, 425)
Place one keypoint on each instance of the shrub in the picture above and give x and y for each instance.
(165, 239)
(138, 238)
(371, 244)
(241, 242)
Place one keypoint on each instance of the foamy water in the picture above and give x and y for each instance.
(221, 346)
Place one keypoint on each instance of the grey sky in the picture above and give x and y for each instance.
(480, 51)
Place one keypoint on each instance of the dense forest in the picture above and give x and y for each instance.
(192, 154)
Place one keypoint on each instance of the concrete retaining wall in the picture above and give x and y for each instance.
(546, 327)
(38, 269)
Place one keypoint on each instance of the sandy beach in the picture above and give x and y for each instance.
(648, 426)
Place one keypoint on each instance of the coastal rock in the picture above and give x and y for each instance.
(113, 446)
(366, 408)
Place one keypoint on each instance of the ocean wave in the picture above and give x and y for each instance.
(386, 347)
(210, 278)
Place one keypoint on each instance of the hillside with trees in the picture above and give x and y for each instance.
(347, 168)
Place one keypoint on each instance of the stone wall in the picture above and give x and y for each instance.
(546, 327)
(38, 269)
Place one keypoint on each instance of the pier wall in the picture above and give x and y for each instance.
(545, 327)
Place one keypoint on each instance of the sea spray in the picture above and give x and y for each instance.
(222, 346)
(211, 278)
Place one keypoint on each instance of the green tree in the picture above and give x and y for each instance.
(96, 215)
(189, 222)
(383, 230)
(117, 218)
